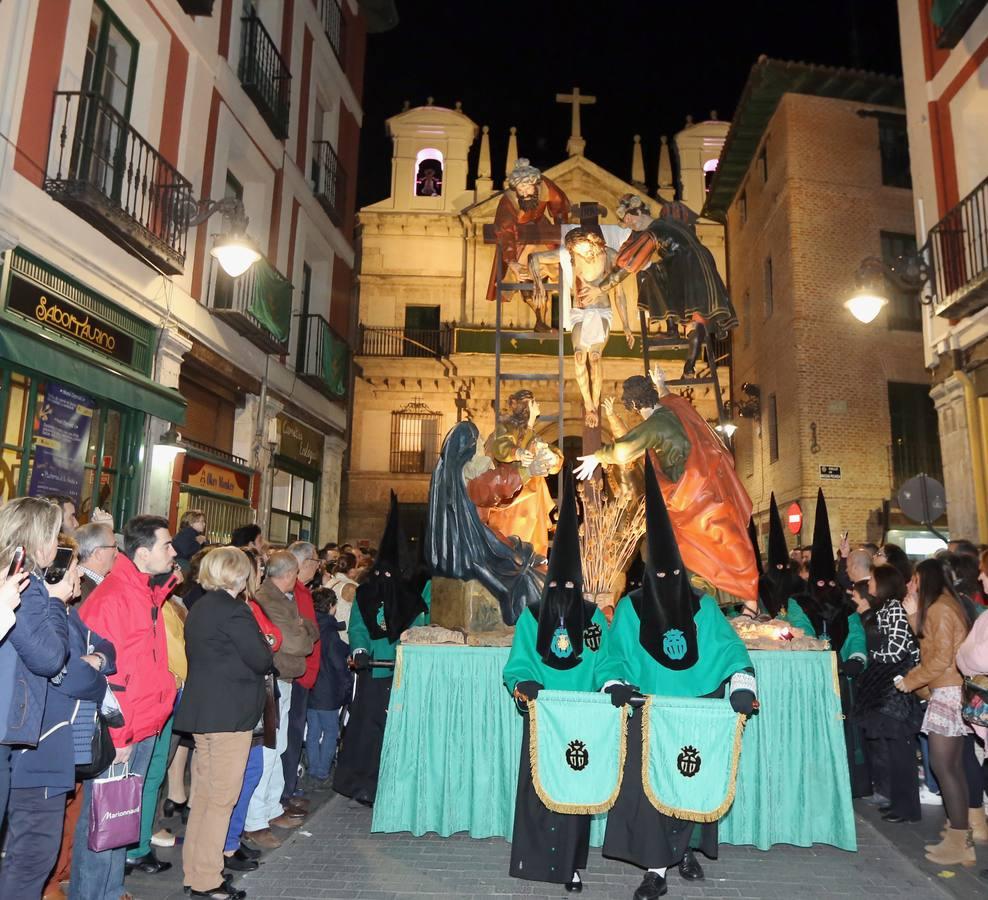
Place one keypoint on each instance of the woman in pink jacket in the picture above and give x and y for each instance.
(972, 658)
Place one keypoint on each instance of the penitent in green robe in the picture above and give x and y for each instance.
(379, 649)
(525, 664)
(722, 653)
(855, 644)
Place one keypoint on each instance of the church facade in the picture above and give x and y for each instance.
(425, 356)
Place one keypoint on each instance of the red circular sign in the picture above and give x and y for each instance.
(794, 518)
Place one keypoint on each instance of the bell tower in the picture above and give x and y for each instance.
(429, 160)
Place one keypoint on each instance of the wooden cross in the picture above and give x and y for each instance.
(575, 144)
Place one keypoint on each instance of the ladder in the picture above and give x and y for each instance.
(679, 342)
(531, 235)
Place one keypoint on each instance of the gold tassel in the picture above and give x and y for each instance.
(573, 809)
(690, 815)
(399, 660)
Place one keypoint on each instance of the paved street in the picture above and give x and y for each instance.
(334, 856)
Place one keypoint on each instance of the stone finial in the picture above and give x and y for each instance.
(713, 115)
(665, 165)
(484, 186)
(689, 121)
(459, 106)
(637, 162)
(512, 152)
(430, 101)
(406, 106)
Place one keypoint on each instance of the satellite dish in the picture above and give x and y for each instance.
(922, 499)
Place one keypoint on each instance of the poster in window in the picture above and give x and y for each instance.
(61, 436)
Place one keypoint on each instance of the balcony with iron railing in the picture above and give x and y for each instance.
(328, 180)
(264, 75)
(415, 342)
(257, 304)
(334, 26)
(108, 174)
(324, 357)
(958, 257)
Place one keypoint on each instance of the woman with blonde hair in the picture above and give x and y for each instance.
(222, 702)
(36, 647)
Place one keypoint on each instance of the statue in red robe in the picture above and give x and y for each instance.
(530, 197)
(708, 506)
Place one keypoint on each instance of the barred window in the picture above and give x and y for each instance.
(416, 433)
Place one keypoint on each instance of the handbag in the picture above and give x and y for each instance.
(875, 692)
(975, 700)
(115, 811)
(103, 750)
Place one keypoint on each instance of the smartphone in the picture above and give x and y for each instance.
(16, 562)
(56, 571)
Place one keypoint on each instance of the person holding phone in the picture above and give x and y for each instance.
(42, 776)
(37, 645)
(11, 589)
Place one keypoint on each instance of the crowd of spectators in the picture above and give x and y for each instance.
(202, 669)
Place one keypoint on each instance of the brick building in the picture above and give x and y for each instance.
(122, 120)
(811, 180)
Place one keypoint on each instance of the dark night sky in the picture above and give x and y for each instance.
(648, 62)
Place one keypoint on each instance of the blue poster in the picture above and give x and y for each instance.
(61, 436)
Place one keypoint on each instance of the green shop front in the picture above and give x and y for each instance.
(295, 483)
(75, 390)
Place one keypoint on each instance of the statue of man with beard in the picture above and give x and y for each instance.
(530, 198)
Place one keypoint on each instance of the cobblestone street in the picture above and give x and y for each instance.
(334, 857)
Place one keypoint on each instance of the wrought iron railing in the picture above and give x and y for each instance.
(214, 451)
(235, 299)
(420, 342)
(108, 173)
(328, 180)
(264, 75)
(958, 257)
(323, 356)
(334, 25)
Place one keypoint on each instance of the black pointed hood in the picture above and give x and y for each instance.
(778, 583)
(386, 602)
(666, 603)
(753, 537)
(778, 549)
(561, 612)
(825, 603)
(822, 565)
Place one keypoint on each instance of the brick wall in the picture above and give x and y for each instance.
(820, 211)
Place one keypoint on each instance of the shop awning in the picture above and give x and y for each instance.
(51, 359)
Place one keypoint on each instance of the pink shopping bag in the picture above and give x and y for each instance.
(115, 811)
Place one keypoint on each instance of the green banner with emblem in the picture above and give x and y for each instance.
(577, 745)
(691, 748)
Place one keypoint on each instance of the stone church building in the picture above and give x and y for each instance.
(425, 356)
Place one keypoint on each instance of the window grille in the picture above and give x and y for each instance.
(415, 438)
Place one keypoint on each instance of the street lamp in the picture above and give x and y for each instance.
(749, 408)
(232, 249)
(871, 294)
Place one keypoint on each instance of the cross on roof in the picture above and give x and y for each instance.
(576, 143)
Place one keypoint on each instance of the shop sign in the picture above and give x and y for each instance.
(299, 443)
(57, 314)
(61, 438)
(209, 476)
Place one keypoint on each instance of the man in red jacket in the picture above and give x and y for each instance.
(125, 609)
(308, 564)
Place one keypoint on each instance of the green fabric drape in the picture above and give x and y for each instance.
(334, 362)
(271, 303)
(452, 716)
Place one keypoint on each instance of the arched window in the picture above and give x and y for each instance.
(709, 167)
(428, 173)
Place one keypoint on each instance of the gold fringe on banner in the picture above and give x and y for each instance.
(573, 809)
(399, 662)
(690, 815)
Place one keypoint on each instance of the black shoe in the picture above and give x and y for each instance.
(249, 852)
(574, 887)
(149, 865)
(689, 868)
(240, 862)
(224, 892)
(887, 808)
(169, 808)
(652, 887)
(896, 819)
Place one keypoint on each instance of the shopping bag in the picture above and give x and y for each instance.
(115, 811)
(577, 743)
